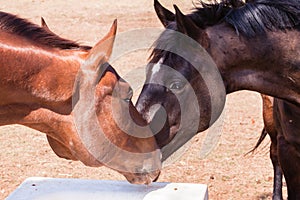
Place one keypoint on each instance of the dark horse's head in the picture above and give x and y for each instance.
(177, 97)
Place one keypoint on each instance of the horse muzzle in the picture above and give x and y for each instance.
(142, 178)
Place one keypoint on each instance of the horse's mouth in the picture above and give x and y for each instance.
(142, 178)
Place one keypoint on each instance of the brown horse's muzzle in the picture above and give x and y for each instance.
(142, 178)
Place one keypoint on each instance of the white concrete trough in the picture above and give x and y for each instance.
(77, 189)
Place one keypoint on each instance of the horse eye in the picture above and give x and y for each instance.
(127, 100)
(129, 95)
(176, 85)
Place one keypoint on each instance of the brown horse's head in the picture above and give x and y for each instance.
(105, 117)
(72, 94)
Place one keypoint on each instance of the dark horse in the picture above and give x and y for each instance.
(67, 91)
(255, 46)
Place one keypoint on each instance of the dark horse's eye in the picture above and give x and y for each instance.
(176, 85)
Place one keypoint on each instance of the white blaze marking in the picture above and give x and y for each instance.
(156, 67)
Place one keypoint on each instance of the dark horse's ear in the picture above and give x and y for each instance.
(164, 15)
(185, 24)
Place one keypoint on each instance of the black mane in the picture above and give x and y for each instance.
(250, 18)
(15, 25)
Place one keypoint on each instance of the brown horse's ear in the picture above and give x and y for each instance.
(101, 52)
(43, 23)
(45, 26)
(185, 24)
(164, 15)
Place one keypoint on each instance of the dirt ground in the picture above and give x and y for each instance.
(228, 172)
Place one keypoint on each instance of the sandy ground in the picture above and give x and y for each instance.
(228, 172)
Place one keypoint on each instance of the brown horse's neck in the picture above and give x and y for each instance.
(36, 88)
(267, 64)
(38, 77)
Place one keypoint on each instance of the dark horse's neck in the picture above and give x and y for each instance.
(269, 64)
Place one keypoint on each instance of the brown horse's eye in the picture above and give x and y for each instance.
(129, 95)
(176, 85)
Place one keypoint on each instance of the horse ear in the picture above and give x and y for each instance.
(43, 23)
(186, 25)
(164, 15)
(101, 52)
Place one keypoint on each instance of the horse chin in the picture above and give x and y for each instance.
(142, 178)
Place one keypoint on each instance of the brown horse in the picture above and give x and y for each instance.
(255, 46)
(279, 118)
(70, 92)
(270, 129)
